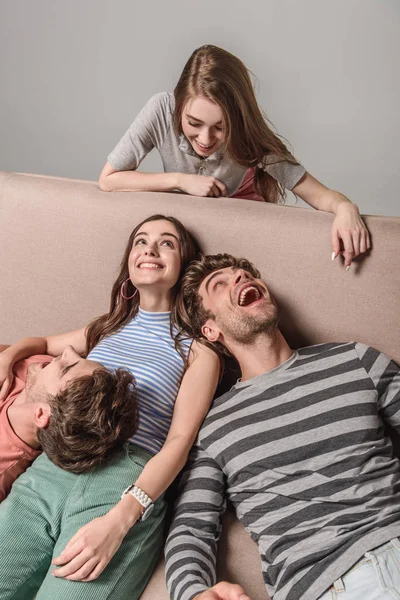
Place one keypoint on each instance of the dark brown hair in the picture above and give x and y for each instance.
(191, 308)
(121, 310)
(222, 78)
(90, 420)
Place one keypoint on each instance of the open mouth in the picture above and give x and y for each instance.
(150, 265)
(249, 295)
(205, 148)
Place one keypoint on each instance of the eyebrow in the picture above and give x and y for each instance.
(66, 369)
(199, 121)
(166, 233)
(215, 274)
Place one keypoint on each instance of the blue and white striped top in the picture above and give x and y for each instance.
(144, 346)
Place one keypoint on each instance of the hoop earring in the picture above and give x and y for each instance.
(123, 290)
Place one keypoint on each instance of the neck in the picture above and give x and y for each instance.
(266, 352)
(155, 302)
(21, 418)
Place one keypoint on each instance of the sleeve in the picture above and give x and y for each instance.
(147, 131)
(191, 546)
(288, 174)
(385, 375)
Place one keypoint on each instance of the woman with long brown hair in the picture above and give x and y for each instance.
(58, 530)
(214, 141)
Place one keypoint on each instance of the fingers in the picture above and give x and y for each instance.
(335, 243)
(78, 569)
(71, 550)
(221, 187)
(365, 241)
(95, 573)
(348, 252)
(230, 591)
(5, 388)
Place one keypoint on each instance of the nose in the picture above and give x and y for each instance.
(69, 355)
(239, 275)
(151, 250)
(205, 137)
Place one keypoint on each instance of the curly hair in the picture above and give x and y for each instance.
(90, 420)
(191, 308)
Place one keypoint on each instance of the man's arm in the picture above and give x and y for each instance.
(192, 541)
(385, 375)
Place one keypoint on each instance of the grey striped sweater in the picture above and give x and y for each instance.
(302, 455)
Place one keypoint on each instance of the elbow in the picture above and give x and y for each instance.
(104, 184)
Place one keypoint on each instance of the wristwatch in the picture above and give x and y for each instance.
(142, 498)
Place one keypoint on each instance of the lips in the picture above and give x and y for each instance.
(248, 294)
(205, 148)
(150, 265)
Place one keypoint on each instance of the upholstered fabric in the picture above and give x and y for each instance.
(61, 242)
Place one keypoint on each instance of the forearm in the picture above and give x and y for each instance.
(136, 181)
(25, 348)
(156, 477)
(191, 547)
(332, 201)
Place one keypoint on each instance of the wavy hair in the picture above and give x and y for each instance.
(222, 78)
(122, 310)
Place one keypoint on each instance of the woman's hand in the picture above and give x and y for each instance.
(90, 550)
(6, 376)
(201, 185)
(349, 235)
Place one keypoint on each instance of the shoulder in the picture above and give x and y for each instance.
(330, 348)
(199, 351)
(203, 357)
(161, 103)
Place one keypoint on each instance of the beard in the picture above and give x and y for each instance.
(34, 392)
(248, 328)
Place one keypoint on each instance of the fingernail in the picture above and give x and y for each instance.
(333, 256)
(348, 267)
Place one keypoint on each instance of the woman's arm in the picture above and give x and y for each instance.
(92, 547)
(191, 406)
(349, 235)
(111, 180)
(53, 345)
(135, 181)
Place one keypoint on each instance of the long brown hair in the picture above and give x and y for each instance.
(222, 78)
(123, 310)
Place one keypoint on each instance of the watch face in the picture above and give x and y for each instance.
(147, 512)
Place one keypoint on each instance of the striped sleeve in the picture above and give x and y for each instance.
(192, 540)
(385, 375)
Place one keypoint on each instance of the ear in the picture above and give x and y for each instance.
(211, 331)
(41, 415)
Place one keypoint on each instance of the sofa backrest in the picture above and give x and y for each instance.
(61, 242)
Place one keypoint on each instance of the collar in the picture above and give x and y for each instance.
(187, 148)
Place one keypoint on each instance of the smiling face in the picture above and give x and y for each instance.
(202, 124)
(50, 379)
(155, 258)
(240, 306)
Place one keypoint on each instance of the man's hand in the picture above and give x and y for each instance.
(223, 591)
(6, 376)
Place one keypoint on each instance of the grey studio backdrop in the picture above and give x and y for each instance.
(74, 75)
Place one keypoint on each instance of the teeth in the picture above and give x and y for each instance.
(150, 266)
(205, 147)
(244, 293)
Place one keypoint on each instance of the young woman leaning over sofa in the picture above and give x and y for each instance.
(214, 141)
(91, 536)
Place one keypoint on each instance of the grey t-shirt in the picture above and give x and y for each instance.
(153, 128)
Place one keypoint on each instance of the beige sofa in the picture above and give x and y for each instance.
(61, 241)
